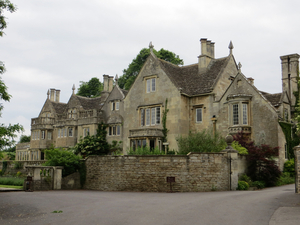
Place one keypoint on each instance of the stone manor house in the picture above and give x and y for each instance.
(212, 93)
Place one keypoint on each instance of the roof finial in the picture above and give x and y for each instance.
(230, 47)
(48, 93)
(116, 79)
(239, 66)
(73, 89)
(151, 46)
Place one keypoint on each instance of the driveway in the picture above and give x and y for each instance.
(272, 206)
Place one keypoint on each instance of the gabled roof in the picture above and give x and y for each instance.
(89, 103)
(190, 79)
(59, 107)
(274, 99)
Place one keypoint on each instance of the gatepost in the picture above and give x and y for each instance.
(232, 156)
(297, 168)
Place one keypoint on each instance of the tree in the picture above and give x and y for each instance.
(95, 144)
(7, 133)
(5, 5)
(90, 89)
(24, 139)
(129, 74)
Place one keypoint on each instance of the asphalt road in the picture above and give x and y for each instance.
(272, 206)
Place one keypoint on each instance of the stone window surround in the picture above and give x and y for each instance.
(240, 100)
(146, 117)
(114, 130)
(150, 83)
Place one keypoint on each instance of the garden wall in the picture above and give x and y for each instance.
(11, 170)
(194, 172)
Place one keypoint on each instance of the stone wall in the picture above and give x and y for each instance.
(11, 170)
(71, 182)
(194, 172)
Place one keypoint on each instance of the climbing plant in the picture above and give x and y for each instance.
(164, 123)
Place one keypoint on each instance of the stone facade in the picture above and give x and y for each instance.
(194, 172)
(212, 93)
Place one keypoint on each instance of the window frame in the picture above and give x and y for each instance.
(200, 110)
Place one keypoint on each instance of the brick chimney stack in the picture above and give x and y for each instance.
(52, 94)
(57, 95)
(207, 53)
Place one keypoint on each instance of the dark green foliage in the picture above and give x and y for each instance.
(260, 160)
(5, 5)
(259, 184)
(171, 152)
(204, 141)
(7, 135)
(18, 165)
(24, 139)
(136, 65)
(164, 123)
(242, 185)
(285, 178)
(65, 158)
(95, 144)
(4, 166)
(90, 89)
(292, 139)
(145, 151)
(245, 178)
(289, 167)
(14, 181)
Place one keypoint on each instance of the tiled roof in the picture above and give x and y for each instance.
(125, 92)
(59, 107)
(190, 79)
(90, 103)
(275, 99)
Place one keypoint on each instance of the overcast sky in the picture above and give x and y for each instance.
(58, 43)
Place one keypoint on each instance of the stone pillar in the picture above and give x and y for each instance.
(105, 82)
(57, 177)
(110, 83)
(232, 156)
(297, 168)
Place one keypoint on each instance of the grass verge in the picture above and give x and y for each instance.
(10, 186)
(13, 181)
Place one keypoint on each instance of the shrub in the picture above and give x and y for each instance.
(204, 141)
(1, 173)
(284, 179)
(260, 159)
(14, 181)
(242, 150)
(65, 158)
(259, 184)
(18, 165)
(245, 178)
(243, 185)
(18, 174)
(145, 151)
(289, 166)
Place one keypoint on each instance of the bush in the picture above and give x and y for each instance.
(243, 185)
(18, 165)
(242, 150)
(204, 141)
(18, 174)
(245, 178)
(14, 181)
(259, 184)
(260, 160)
(284, 179)
(145, 151)
(289, 166)
(65, 158)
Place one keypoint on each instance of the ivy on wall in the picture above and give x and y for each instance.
(291, 138)
(164, 122)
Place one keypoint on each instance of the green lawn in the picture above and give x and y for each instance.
(10, 186)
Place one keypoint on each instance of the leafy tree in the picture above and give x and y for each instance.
(129, 74)
(24, 138)
(91, 89)
(204, 141)
(5, 5)
(7, 133)
(260, 159)
(65, 158)
(95, 144)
